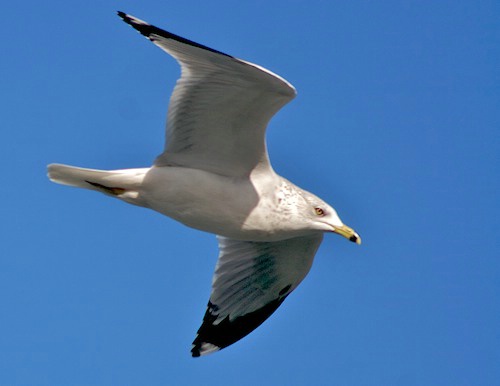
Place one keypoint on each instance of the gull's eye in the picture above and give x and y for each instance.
(319, 211)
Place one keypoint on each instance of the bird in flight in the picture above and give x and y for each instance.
(214, 175)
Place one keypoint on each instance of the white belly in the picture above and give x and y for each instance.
(234, 208)
(200, 200)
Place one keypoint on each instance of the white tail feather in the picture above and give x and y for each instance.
(74, 176)
(123, 183)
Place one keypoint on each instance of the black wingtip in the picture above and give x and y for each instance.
(140, 25)
(126, 18)
(213, 337)
(203, 348)
(147, 30)
(123, 16)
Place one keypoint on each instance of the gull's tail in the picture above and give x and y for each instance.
(124, 184)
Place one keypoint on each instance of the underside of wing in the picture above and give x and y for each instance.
(250, 282)
(219, 109)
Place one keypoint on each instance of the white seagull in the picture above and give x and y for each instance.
(215, 175)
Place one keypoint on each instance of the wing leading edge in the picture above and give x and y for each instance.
(219, 109)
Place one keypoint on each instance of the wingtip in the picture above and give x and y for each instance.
(125, 17)
(129, 19)
(148, 30)
(203, 348)
(140, 25)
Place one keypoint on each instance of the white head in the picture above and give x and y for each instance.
(323, 217)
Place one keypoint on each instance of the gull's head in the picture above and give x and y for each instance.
(326, 219)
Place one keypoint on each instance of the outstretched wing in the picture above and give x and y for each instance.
(219, 109)
(250, 282)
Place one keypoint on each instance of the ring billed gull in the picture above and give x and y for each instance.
(215, 175)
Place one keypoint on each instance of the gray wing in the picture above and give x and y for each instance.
(250, 282)
(219, 109)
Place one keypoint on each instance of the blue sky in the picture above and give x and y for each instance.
(396, 124)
